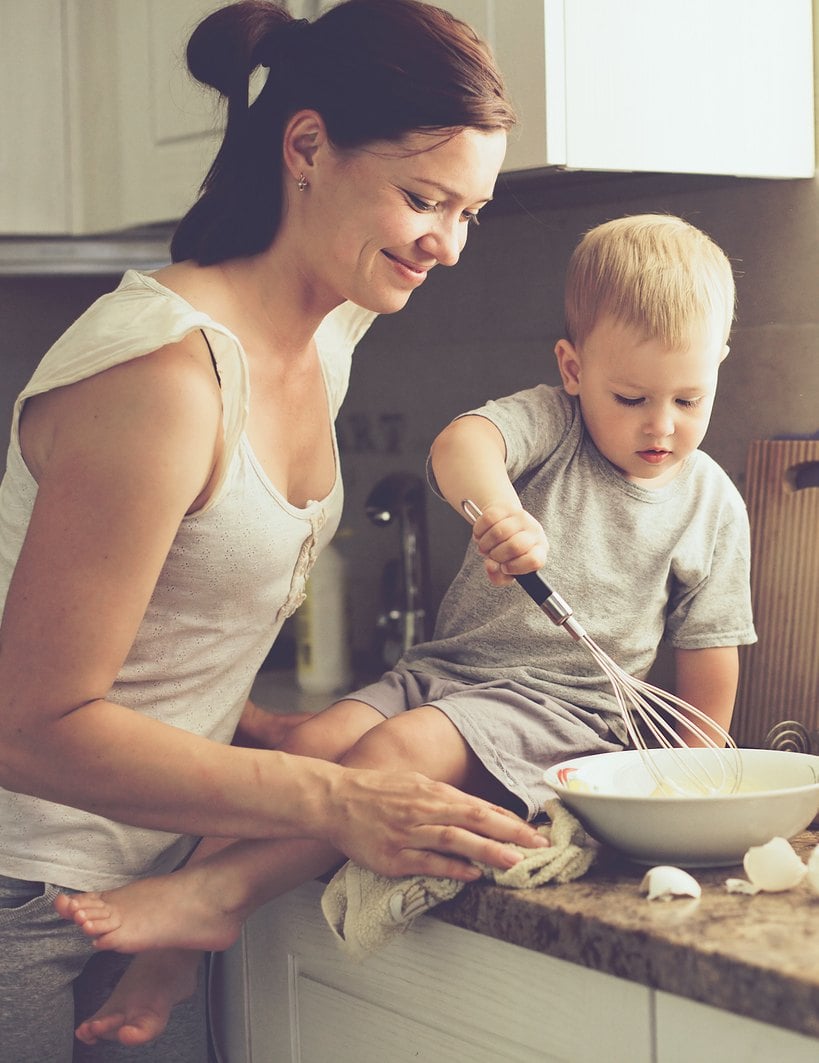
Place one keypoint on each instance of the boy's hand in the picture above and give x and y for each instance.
(510, 541)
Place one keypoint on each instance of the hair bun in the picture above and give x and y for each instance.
(281, 41)
(225, 47)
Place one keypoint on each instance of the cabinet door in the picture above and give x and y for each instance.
(33, 145)
(704, 86)
(688, 1031)
(527, 39)
(438, 995)
(143, 131)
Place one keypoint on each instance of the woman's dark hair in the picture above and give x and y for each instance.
(373, 69)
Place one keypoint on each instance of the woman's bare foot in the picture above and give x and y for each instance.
(191, 909)
(139, 1007)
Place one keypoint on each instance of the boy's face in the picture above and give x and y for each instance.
(646, 407)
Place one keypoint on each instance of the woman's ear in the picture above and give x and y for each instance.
(568, 363)
(304, 135)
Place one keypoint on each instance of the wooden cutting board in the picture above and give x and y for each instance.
(779, 676)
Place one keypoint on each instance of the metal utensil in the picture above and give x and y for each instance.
(712, 766)
(792, 735)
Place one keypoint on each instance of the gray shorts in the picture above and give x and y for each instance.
(515, 732)
(51, 979)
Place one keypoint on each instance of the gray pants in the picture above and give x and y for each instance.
(51, 979)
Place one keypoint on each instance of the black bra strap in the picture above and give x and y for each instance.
(212, 358)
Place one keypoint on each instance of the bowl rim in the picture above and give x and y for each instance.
(591, 795)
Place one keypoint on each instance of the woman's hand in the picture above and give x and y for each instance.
(405, 824)
(510, 541)
(262, 729)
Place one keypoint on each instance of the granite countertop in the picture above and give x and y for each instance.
(757, 955)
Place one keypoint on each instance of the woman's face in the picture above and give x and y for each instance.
(380, 218)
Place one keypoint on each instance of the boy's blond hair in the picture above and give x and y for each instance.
(653, 272)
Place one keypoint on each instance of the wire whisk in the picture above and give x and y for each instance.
(712, 765)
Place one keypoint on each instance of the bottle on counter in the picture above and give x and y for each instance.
(322, 631)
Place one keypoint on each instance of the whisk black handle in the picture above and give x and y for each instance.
(550, 602)
(547, 600)
(536, 587)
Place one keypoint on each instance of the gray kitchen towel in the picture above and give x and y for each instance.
(365, 910)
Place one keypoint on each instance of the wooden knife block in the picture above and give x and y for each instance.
(779, 675)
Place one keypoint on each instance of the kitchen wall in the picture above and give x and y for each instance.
(489, 326)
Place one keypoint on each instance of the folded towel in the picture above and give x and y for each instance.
(365, 910)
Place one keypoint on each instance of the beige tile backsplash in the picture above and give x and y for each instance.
(488, 327)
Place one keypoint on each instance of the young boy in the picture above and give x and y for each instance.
(599, 479)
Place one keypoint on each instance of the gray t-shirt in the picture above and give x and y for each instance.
(637, 566)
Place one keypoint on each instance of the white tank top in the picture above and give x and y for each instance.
(235, 571)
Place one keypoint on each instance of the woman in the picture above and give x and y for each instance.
(173, 473)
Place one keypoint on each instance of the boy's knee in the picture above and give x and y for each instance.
(309, 739)
(331, 734)
(386, 747)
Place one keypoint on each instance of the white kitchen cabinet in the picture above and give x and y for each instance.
(687, 1031)
(438, 995)
(103, 128)
(667, 86)
(285, 993)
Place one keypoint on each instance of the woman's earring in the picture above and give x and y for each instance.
(301, 182)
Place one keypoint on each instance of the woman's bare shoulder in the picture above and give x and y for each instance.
(167, 400)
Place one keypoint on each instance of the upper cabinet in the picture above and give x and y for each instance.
(666, 86)
(103, 127)
(104, 130)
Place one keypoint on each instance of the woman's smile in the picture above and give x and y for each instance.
(411, 271)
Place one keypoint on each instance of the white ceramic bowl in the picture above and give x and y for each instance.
(616, 799)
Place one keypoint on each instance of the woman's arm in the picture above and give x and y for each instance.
(119, 459)
(469, 461)
(707, 679)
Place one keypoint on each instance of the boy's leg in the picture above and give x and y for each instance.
(138, 1008)
(166, 1034)
(425, 740)
(422, 740)
(203, 905)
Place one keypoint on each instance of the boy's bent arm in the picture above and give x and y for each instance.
(468, 460)
(707, 679)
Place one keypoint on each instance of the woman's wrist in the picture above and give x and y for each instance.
(311, 795)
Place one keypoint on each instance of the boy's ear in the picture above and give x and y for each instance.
(304, 135)
(725, 352)
(568, 363)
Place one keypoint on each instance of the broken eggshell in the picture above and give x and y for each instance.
(665, 883)
(812, 875)
(771, 868)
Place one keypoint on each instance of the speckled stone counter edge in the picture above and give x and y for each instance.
(755, 956)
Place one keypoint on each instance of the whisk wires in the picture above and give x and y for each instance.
(712, 765)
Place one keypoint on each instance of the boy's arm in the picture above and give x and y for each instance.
(708, 680)
(468, 459)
